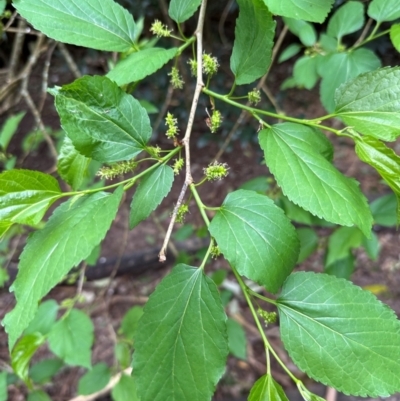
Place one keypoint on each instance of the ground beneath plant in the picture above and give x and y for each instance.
(109, 299)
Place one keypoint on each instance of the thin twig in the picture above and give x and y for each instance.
(111, 384)
(364, 32)
(11, 20)
(16, 50)
(45, 76)
(222, 21)
(331, 394)
(70, 61)
(186, 139)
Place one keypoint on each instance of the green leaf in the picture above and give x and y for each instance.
(125, 390)
(2, 8)
(328, 43)
(69, 236)
(309, 180)
(384, 160)
(258, 184)
(9, 128)
(256, 238)
(341, 242)
(4, 277)
(140, 64)
(340, 335)
(267, 389)
(123, 354)
(95, 379)
(384, 10)
(25, 195)
(308, 242)
(38, 395)
(130, 321)
(44, 319)
(71, 165)
(371, 103)
(3, 386)
(348, 18)
(383, 210)
(102, 121)
(181, 10)
(237, 341)
(372, 246)
(304, 30)
(153, 188)
(72, 337)
(181, 343)
(43, 371)
(307, 394)
(305, 72)
(254, 35)
(308, 10)
(395, 36)
(4, 227)
(341, 268)
(339, 68)
(289, 52)
(98, 24)
(23, 352)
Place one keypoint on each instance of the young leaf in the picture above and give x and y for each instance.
(341, 242)
(267, 389)
(130, 321)
(384, 160)
(9, 128)
(38, 395)
(71, 165)
(181, 10)
(333, 331)
(308, 10)
(125, 389)
(341, 268)
(43, 371)
(153, 188)
(23, 353)
(395, 36)
(372, 246)
(237, 341)
(25, 195)
(308, 242)
(44, 319)
(289, 52)
(384, 10)
(383, 210)
(181, 343)
(69, 236)
(3, 380)
(72, 337)
(2, 8)
(309, 180)
(102, 121)
(347, 19)
(304, 30)
(305, 72)
(338, 68)
(256, 237)
(254, 35)
(98, 24)
(140, 64)
(371, 103)
(95, 379)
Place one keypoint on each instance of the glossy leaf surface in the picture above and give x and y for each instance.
(181, 342)
(153, 188)
(308, 10)
(102, 121)
(25, 195)
(340, 335)
(72, 337)
(256, 237)
(69, 236)
(181, 10)
(311, 181)
(97, 24)
(140, 64)
(267, 389)
(254, 35)
(371, 103)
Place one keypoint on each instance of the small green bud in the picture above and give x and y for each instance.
(159, 29)
(193, 67)
(268, 317)
(214, 121)
(172, 124)
(181, 214)
(254, 96)
(210, 64)
(110, 172)
(215, 252)
(178, 164)
(153, 151)
(176, 79)
(216, 171)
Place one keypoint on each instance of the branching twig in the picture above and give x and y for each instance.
(186, 139)
(70, 61)
(111, 384)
